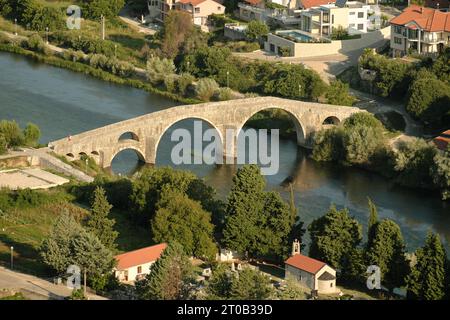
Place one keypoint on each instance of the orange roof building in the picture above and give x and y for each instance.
(310, 273)
(443, 140)
(307, 4)
(136, 264)
(419, 29)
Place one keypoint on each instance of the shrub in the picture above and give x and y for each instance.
(98, 61)
(72, 55)
(31, 134)
(158, 69)
(285, 51)
(364, 119)
(36, 43)
(338, 94)
(170, 82)
(184, 82)
(328, 145)
(206, 87)
(223, 94)
(10, 130)
(256, 29)
(3, 144)
(361, 142)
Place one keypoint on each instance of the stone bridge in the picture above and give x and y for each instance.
(144, 133)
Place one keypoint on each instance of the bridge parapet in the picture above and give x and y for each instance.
(146, 131)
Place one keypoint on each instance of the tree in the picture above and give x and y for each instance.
(183, 220)
(177, 25)
(169, 276)
(414, 163)
(256, 29)
(387, 250)
(361, 143)
(295, 81)
(429, 99)
(338, 94)
(69, 244)
(158, 69)
(98, 222)
(291, 291)
(334, 236)
(31, 134)
(94, 9)
(93, 258)
(363, 119)
(219, 285)
(250, 284)
(257, 222)
(373, 221)
(56, 249)
(427, 278)
(12, 133)
(243, 208)
(440, 172)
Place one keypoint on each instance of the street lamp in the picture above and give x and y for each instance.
(228, 79)
(87, 160)
(15, 26)
(299, 90)
(12, 257)
(115, 50)
(46, 34)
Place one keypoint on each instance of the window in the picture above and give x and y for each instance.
(139, 269)
(332, 18)
(397, 40)
(398, 29)
(360, 14)
(352, 13)
(331, 285)
(219, 8)
(351, 25)
(360, 26)
(197, 10)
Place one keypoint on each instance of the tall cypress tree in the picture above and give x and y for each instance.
(387, 250)
(244, 205)
(169, 276)
(427, 278)
(373, 220)
(98, 222)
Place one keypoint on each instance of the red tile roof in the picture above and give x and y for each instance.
(140, 256)
(253, 2)
(428, 19)
(305, 263)
(443, 140)
(306, 4)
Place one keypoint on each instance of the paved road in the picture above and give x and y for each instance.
(35, 288)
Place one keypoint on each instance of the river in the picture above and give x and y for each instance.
(64, 103)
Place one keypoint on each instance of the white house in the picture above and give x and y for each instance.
(308, 272)
(135, 265)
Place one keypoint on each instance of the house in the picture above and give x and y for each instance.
(134, 265)
(321, 20)
(443, 140)
(200, 9)
(311, 273)
(422, 30)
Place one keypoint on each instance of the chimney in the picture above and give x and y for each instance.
(295, 247)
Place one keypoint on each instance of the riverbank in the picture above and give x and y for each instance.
(94, 72)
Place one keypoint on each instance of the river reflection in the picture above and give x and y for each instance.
(62, 103)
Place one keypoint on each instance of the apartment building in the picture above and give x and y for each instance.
(321, 20)
(422, 30)
(199, 9)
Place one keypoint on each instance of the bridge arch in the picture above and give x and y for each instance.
(128, 135)
(333, 120)
(141, 154)
(299, 127)
(172, 123)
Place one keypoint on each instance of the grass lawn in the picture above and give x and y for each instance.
(25, 229)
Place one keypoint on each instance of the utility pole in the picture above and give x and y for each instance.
(12, 257)
(103, 27)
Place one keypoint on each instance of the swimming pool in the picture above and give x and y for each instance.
(300, 37)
